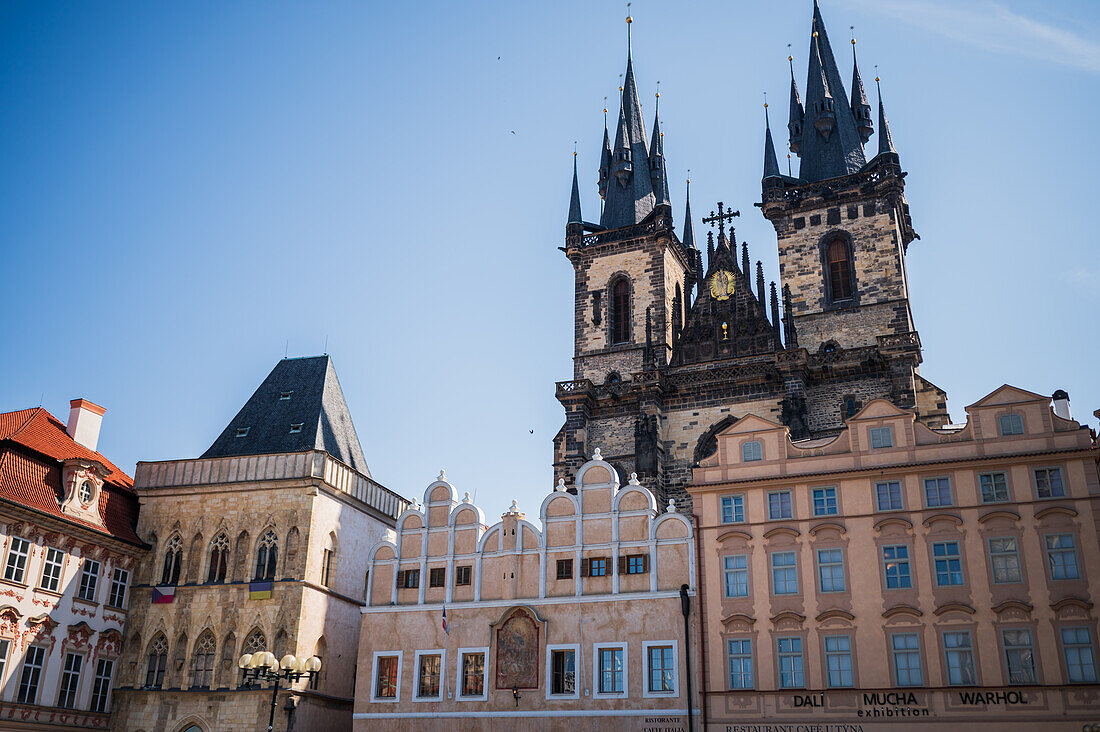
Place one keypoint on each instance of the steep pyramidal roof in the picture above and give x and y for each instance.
(575, 197)
(771, 163)
(629, 196)
(298, 407)
(885, 140)
(689, 228)
(657, 176)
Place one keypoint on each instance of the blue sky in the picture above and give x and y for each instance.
(191, 189)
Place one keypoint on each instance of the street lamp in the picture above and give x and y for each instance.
(263, 666)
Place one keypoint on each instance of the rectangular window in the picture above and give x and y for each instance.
(101, 686)
(838, 661)
(635, 564)
(906, 649)
(733, 509)
(959, 654)
(385, 686)
(662, 669)
(789, 651)
(51, 569)
(70, 681)
(327, 556)
(565, 569)
(888, 496)
(751, 451)
(779, 505)
(17, 560)
(1048, 483)
(937, 492)
(1005, 560)
(1019, 656)
(895, 562)
(994, 487)
(1062, 557)
(739, 659)
(597, 567)
(462, 575)
(784, 573)
(736, 571)
(408, 579)
(825, 502)
(1080, 660)
(437, 577)
(89, 580)
(830, 570)
(5, 646)
(473, 674)
(611, 670)
(948, 563)
(881, 437)
(1010, 424)
(429, 666)
(119, 580)
(31, 675)
(563, 672)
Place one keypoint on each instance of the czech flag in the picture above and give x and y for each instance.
(445, 630)
(165, 594)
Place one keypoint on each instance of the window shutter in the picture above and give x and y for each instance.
(622, 565)
(645, 563)
(607, 564)
(584, 567)
(400, 578)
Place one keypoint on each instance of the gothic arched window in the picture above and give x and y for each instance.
(839, 260)
(202, 662)
(620, 311)
(255, 642)
(219, 558)
(158, 661)
(266, 553)
(173, 557)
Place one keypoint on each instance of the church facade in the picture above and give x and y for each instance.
(670, 348)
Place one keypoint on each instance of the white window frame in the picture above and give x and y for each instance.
(888, 430)
(25, 553)
(442, 653)
(5, 656)
(46, 563)
(84, 562)
(109, 686)
(125, 583)
(577, 680)
(78, 687)
(733, 505)
(374, 677)
(813, 501)
(484, 696)
(596, 693)
(646, 693)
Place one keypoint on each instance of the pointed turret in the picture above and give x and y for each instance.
(775, 310)
(885, 140)
(831, 144)
(771, 163)
(657, 176)
(861, 110)
(629, 196)
(605, 159)
(745, 261)
(760, 295)
(790, 338)
(689, 228)
(575, 197)
(794, 123)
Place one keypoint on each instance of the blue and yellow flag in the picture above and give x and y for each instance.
(260, 590)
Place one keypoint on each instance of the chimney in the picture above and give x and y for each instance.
(84, 421)
(1061, 404)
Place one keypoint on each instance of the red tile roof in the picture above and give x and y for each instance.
(31, 476)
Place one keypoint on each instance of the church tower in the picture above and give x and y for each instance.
(844, 229)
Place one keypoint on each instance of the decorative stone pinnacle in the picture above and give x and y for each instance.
(671, 506)
(561, 485)
(466, 498)
(513, 509)
(596, 455)
(634, 479)
(442, 474)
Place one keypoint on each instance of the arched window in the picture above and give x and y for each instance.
(202, 662)
(173, 557)
(255, 642)
(219, 558)
(677, 313)
(158, 661)
(840, 269)
(266, 553)
(317, 681)
(751, 451)
(328, 560)
(620, 311)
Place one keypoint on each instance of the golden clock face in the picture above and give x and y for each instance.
(721, 285)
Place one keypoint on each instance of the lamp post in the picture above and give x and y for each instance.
(263, 666)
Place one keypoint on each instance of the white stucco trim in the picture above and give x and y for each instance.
(646, 693)
(484, 696)
(577, 680)
(596, 693)
(532, 601)
(522, 714)
(374, 677)
(442, 653)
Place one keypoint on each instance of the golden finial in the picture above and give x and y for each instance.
(765, 100)
(815, 34)
(628, 18)
(658, 94)
(853, 29)
(876, 74)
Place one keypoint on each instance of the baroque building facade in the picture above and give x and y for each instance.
(904, 577)
(260, 544)
(69, 550)
(659, 371)
(578, 623)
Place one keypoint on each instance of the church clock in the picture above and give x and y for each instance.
(721, 285)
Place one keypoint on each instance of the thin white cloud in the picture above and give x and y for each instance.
(993, 27)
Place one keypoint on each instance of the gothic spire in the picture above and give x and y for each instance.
(775, 310)
(771, 163)
(831, 143)
(605, 157)
(689, 228)
(861, 110)
(885, 140)
(657, 175)
(797, 115)
(575, 197)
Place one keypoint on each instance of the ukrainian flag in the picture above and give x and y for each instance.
(260, 590)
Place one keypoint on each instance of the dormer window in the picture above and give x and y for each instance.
(1010, 424)
(752, 451)
(285, 396)
(881, 437)
(296, 428)
(242, 431)
(85, 493)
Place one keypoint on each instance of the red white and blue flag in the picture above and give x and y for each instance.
(445, 630)
(164, 594)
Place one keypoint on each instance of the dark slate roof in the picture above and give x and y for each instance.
(629, 196)
(315, 401)
(575, 197)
